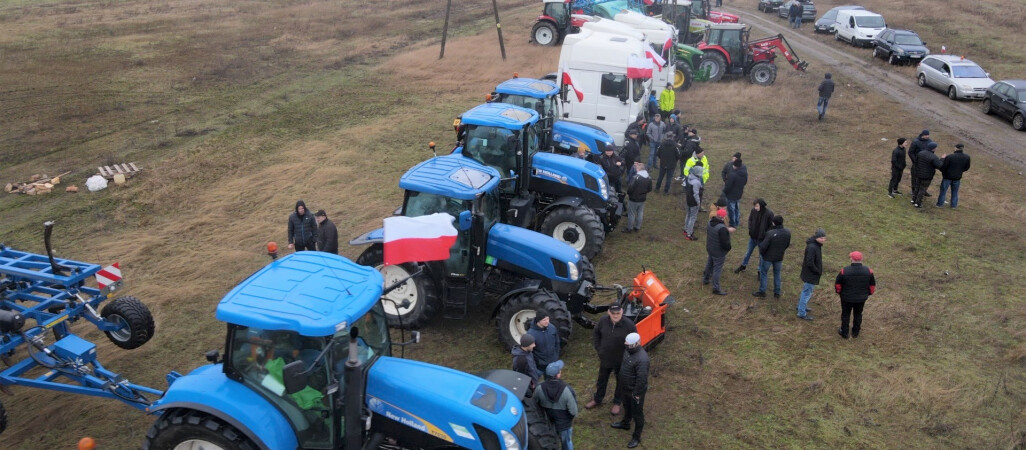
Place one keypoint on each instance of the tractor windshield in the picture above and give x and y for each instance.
(560, 12)
(491, 146)
(544, 106)
(422, 204)
(372, 341)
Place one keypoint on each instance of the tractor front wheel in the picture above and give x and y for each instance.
(683, 77)
(134, 319)
(184, 429)
(544, 33)
(517, 314)
(541, 432)
(419, 291)
(763, 74)
(713, 65)
(578, 226)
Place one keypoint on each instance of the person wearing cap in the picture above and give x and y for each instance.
(608, 340)
(523, 359)
(926, 167)
(667, 100)
(559, 401)
(918, 144)
(954, 166)
(729, 166)
(302, 229)
(897, 166)
(546, 340)
(854, 284)
(638, 186)
(638, 125)
(693, 198)
(668, 154)
(717, 245)
(612, 163)
(826, 87)
(327, 234)
(654, 131)
(760, 219)
(634, 381)
(812, 270)
(734, 189)
(631, 150)
(771, 252)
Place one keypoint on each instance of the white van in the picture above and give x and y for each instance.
(858, 27)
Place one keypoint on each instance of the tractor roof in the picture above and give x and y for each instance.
(311, 293)
(500, 115)
(452, 176)
(529, 87)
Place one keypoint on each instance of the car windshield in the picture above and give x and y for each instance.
(968, 72)
(870, 21)
(1022, 95)
(830, 15)
(907, 39)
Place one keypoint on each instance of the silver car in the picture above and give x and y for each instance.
(960, 78)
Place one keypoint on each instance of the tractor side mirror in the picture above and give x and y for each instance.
(414, 339)
(464, 220)
(212, 356)
(295, 376)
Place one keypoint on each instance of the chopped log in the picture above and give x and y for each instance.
(72, 189)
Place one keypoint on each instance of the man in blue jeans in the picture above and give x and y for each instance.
(826, 89)
(772, 249)
(759, 221)
(812, 269)
(952, 169)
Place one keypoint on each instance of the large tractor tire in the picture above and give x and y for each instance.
(544, 33)
(420, 291)
(3, 418)
(185, 429)
(713, 64)
(587, 270)
(541, 433)
(518, 313)
(135, 319)
(580, 227)
(683, 77)
(763, 74)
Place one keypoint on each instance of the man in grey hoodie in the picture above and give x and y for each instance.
(693, 195)
(559, 401)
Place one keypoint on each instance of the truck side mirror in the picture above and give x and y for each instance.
(622, 95)
(295, 377)
(464, 220)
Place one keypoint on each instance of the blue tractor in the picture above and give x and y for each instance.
(524, 269)
(308, 365)
(561, 196)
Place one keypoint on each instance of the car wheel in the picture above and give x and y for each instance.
(853, 41)
(1017, 122)
(876, 52)
(922, 80)
(893, 60)
(837, 37)
(952, 94)
(985, 107)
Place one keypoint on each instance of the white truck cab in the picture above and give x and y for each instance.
(858, 27)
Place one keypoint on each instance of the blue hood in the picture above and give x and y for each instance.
(531, 251)
(567, 135)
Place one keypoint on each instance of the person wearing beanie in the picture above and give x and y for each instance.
(559, 401)
(612, 163)
(668, 153)
(760, 219)
(608, 340)
(897, 166)
(729, 166)
(302, 229)
(918, 144)
(717, 245)
(771, 250)
(634, 381)
(631, 152)
(667, 100)
(523, 359)
(693, 198)
(954, 166)
(733, 189)
(854, 284)
(812, 270)
(826, 89)
(546, 340)
(327, 234)
(926, 167)
(638, 186)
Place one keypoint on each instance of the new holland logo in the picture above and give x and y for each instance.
(554, 176)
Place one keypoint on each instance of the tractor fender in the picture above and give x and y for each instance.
(570, 201)
(209, 390)
(524, 285)
(371, 237)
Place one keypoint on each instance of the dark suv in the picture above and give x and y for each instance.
(769, 6)
(899, 47)
(1007, 98)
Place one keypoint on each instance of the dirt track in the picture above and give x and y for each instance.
(962, 118)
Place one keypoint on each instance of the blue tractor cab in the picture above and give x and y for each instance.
(308, 364)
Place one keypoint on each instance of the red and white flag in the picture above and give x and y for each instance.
(656, 59)
(567, 81)
(421, 238)
(639, 68)
(666, 47)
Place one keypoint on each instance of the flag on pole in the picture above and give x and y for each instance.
(421, 238)
(658, 60)
(639, 68)
(567, 81)
(666, 47)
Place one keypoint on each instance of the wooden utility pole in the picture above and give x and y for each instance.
(498, 27)
(445, 28)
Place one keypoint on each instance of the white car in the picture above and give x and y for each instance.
(960, 78)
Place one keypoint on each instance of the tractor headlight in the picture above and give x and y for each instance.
(572, 270)
(602, 188)
(510, 441)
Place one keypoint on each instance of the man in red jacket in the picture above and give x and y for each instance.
(854, 284)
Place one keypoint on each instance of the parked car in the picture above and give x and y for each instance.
(959, 77)
(769, 6)
(1007, 98)
(808, 10)
(826, 23)
(858, 27)
(899, 46)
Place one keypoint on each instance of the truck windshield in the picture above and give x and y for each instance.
(541, 105)
(968, 72)
(870, 21)
(422, 204)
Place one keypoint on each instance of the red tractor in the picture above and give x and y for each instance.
(728, 51)
(701, 9)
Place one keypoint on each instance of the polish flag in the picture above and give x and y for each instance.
(667, 46)
(567, 81)
(422, 238)
(658, 60)
(639, 68)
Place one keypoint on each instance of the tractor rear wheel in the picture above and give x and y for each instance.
(578, 226)
(713, 65)
(587, 270)
(135, 319)
(541, 432)
(683, 77)
(763, 74)
(517, 313)
(420, 291)
(544, 33)
(185, 429)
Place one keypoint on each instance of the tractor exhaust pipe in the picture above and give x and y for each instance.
(353, 379)
(57, 269)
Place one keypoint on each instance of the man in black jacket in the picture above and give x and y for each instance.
(918, 144)
(638, 186)
(717, 245)
(854, 284)
(668, 155)
(631, 151)
(691, 143)
(638, 125)
(729, 166)
(634, 379)
(733, 189)
(812, 269)
(897, 166)
(954, 166)
(608, 341)
(327, 234)
(613, 165)
(302, 229)
(826, 87)
(926, 167)
(760, 218)
(772, 249)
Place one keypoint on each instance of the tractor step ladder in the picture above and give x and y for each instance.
(454, 299)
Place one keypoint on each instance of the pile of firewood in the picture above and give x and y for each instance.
(38, 184)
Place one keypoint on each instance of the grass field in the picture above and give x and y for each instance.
(237, 108)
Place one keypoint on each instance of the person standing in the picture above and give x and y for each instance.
(760, 219)
(654, 132)
(688, 145)
(854, 284)
(672, 124)
(546, 340)
(698, 156)
(729, 167)
(302, 229)
(717, 245)
(826, 89)
(794, 13)
(523, 359)
(668, 153)
(638, 187)
(559, 401)
(918, 144)
(772, 249)
(638, 125)
(926, 167)
(327, 234)
(693, 197)
(952, 169)
(653, 105)
(613, 165)
(634, 379)
(667, 100)
(812, 270)
(734, 189)
(608, 341)
(631, 150)
(897, 166)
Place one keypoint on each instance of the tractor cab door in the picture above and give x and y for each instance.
(560, 12)
(732, 40)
